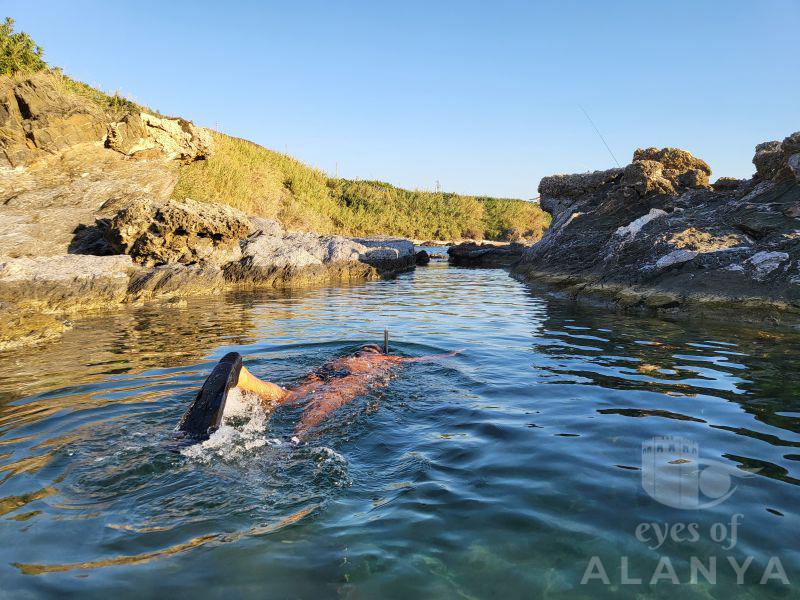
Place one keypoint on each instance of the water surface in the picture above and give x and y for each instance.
(497, 473)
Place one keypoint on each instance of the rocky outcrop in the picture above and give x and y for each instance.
(485, 255)
(422, 258)
(141, 133)
(56, 283)
(51, 207)
(40, 116)
(273, 257)
(655, 236)
(158, 232)
(56, 174)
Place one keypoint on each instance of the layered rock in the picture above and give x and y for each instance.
(176, 139)
(656, 235)
(40, 115)
(472, 254)
(56, 174)
(54, 283)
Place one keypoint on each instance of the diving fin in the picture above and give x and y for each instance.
(204, 414)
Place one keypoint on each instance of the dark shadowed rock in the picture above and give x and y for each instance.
(727, 184)
(422, 258)
(485, 255)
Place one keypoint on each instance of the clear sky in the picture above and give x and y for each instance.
(483, 97)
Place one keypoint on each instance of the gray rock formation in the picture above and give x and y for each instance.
(274, 257)
(655, 235)
(54, 283)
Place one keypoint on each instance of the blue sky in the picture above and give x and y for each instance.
(483, 97)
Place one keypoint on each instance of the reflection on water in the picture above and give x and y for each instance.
(499, 472)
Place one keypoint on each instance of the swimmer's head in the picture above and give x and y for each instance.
(370, 349)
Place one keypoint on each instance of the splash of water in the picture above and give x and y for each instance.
(243, 430)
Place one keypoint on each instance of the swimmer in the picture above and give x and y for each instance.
(331, 386)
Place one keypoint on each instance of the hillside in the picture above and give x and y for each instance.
(270, 184)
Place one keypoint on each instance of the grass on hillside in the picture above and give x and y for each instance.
(270, 184)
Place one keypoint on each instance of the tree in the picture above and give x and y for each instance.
(18, 52)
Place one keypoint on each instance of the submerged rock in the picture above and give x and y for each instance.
(422, 258)
(658, 227)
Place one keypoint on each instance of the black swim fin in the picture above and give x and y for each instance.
(204, 414)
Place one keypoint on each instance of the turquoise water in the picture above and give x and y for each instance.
(498, 473)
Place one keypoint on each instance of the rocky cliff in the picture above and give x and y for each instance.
(88, 218)
(657, 236)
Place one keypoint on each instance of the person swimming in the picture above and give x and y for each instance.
(325, 389)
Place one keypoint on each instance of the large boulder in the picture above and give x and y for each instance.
(157, 232)
(141, 133)
(387, 254)
(779, 160)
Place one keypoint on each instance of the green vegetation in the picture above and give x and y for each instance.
(274, 185)
(18, 52)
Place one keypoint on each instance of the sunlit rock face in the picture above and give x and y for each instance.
(657, 225)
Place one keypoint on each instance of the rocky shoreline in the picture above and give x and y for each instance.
(188, 252)
(87, 221)
(656, 237)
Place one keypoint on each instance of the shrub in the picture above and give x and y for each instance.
(18, 52)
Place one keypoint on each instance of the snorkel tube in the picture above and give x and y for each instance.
(204, 414)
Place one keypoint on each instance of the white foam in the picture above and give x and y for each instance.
(244, 426)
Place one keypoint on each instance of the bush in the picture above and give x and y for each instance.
(18, 52)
